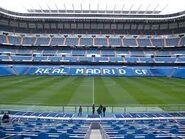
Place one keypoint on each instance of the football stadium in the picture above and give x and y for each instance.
(82, 69)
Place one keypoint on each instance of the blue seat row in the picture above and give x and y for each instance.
(92, 41)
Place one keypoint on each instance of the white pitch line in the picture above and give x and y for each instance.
(93, 89)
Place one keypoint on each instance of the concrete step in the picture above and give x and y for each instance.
(95, 134)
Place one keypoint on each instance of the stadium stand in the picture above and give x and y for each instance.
(116, 41)
(91, 43)
(62, 125)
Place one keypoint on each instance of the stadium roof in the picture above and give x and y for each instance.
(145, 6)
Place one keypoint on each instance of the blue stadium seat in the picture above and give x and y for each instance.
(93, 52)
(86, 59)
(131, 59)
(64, 136)
(42, 135)
(137, 53)
(2, 134)
(21, 58)
(28, 41)
(40, 58)
(150, 136)
(4, 58)
(183, 41)
(144, 42)
(57, 41)
(129, 136)
(78, 52)
(71, 41)
(146, 59)
(54, 58)
(158, 42)
(86, 41)
(116, 59)
(42, 41)
(115, 41)
(15, 40)
(70, 59)
(128, 42)
(100, 42)
(2, 39)
(172, 42)
(165, 59)
(101, 59)
(108, 52)
(49, 52)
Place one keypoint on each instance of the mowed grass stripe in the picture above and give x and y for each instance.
(63, 90)
(46, 90)
(102, 94)
(10, 88)
(58, 90)
(129, 86)
(83, 93)
(67, 91)
(16, 80)
(23, 90)
(168, 91)
(157, 96)
(140, 91)
(168, 81)
(123, 95)
(12, 78)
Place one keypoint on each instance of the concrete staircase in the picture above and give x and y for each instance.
(95, 134)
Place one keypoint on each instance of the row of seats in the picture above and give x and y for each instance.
(25, 128)
(45, 125)
(145, 129)
(150, 115)
(117, 115)
(93, 59)
(77, 52)
(93, 41)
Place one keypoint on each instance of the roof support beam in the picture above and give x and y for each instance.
(164, 7)
(122, 9)
(65, 8)
(131, 8)
(40, 8)
(57, 7)
(98, 6)
(114, 8)
(147, 8)
(89, 8)
(106, 8)
(81, 8)
(73, 8)
(155, 8)
(139, 8)
(49, 8)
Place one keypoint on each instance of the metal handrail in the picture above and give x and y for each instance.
(88, 108)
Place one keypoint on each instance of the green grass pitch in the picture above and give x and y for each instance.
(116, 91)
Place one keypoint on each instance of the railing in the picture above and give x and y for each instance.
(88, 108)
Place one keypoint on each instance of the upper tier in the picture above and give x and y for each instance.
(92, 23)
(87, 40)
